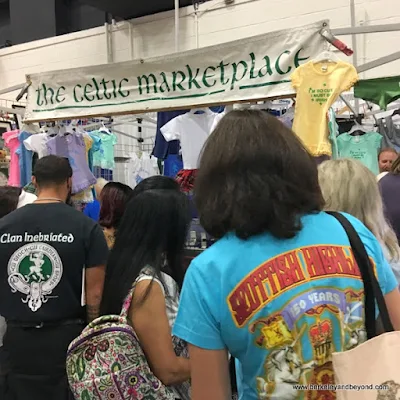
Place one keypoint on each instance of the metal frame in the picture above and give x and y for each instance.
(12, 88)
(12, 111)
(176, 3)
(354, 30)
(378, 62)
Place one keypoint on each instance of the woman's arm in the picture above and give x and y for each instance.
(150, 321)
(392, 301)
(210, 374)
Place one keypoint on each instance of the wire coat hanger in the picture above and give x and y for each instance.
(357, 130)
(327, 56)
(206, 110)
(104, 129)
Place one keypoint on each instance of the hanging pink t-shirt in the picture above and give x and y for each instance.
(12, 142)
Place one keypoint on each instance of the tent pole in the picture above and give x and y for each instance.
(366, 29)
(354, 45)
(378, 62)
(12, 88)
(107, 35)
(176, 25)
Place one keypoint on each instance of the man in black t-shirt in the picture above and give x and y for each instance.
(52, 264)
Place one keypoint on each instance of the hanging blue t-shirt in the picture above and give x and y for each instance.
(96, 146)
(172, 165)
(281, 307)
(92, 210)
(25, 159)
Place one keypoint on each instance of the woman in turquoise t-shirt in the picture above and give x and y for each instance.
(280, 290)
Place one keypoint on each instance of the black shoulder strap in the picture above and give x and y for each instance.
(372, 290)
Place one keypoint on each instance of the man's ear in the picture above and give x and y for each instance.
(34, 181)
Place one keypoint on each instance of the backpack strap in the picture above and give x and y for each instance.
(373, 292)
(128, 300)
(127, 303)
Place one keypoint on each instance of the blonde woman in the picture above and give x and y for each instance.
(349, 186)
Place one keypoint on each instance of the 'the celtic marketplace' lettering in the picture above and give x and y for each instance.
(188, 78)
(51, 237)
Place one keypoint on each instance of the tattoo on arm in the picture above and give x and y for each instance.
(93, 312)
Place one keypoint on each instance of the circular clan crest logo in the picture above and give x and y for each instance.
(35, 270)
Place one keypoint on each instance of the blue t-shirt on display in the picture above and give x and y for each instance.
(172, 165)
(280, 307)
(25, 159)
(92, 210)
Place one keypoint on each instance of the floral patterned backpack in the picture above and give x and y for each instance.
(107, 362)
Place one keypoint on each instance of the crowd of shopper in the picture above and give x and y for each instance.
(276, 248)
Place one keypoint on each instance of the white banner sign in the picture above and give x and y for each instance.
(255, 68)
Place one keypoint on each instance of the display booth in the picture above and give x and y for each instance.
(178, 100)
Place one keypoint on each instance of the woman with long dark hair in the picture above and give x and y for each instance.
(113, 200)
(148, 253)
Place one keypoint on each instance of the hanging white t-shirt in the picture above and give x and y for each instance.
(137, 169)
(147, 168)
(37, 144)
(192, 130)
(217, 119)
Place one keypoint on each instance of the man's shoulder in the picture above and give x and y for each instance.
(13, 217)
(79, 217)
(62, 214)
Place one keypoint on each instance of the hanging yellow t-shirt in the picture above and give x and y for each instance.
(318, 85)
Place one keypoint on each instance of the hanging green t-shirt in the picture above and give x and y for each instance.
(364, 148)
(333, 133)
(104, 158)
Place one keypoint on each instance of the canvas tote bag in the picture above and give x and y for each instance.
(372, 368)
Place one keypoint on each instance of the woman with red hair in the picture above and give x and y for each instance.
(113, 200)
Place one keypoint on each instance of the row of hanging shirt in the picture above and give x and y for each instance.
(193, 128)
(364, 141)
(85, 151)
(389, 128)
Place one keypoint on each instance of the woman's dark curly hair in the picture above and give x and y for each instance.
(255, 176)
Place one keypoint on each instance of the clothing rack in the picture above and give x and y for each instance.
(12, 110)
(390, 108)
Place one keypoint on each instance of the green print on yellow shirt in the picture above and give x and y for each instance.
(320, 96)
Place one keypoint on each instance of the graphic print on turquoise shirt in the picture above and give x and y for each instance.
(281, 307)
